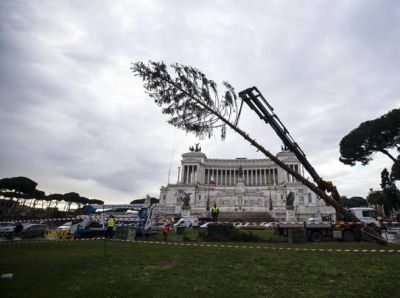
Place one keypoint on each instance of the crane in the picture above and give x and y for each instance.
(256, 101)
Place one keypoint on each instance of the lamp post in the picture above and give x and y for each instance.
(165, 207)
(208, 200)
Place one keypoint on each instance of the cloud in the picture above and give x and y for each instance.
(74, 118)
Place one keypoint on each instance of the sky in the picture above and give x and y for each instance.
(73, 117)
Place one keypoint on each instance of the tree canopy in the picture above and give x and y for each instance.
(396, 170)
(18, 184)
(189, 97)
(378, 135)
(20, 190)
(392, 194)
(355, 202)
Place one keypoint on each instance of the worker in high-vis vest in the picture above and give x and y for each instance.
(110, 226)
(215, 212)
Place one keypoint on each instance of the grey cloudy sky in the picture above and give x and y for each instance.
(74, 118)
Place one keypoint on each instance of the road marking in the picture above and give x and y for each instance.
(43, 241)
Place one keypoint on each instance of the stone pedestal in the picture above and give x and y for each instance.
(185, 212)
(290, 215)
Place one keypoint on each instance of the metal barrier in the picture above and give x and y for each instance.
(58, 235)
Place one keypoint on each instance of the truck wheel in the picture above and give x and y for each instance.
(315, 237)
(349, 236)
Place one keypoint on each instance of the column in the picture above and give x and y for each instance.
(264, 175)
(257, 176)
(184, 174)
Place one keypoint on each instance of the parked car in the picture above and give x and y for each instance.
(271, 225)
(7, 229)
(242, 225)
(187, 222)
(65, 226)
(34, 230)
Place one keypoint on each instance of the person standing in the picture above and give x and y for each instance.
(215, 212)
(18, 229)
(110, 226)
(165, 231)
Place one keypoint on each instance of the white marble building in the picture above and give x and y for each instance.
(262, 188)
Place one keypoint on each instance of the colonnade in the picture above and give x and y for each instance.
(190, 174)
(229, 177)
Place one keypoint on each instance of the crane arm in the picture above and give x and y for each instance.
(256, 101)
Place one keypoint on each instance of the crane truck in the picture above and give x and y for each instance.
(349, 225)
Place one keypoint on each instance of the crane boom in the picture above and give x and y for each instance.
(256, 101)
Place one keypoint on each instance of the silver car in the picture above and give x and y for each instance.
(34, 231)
(7, 229)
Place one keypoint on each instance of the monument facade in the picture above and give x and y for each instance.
(242, 188)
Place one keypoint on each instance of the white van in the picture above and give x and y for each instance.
(187, 222)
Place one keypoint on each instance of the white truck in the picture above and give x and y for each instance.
(187, 222)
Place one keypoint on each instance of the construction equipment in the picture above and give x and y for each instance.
(94, 225)
(255, 100)
(145, 212)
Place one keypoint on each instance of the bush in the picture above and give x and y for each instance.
(220, 232)
(227, 232)
(245, 237)
(253, 228)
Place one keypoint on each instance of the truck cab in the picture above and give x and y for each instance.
(367, 215)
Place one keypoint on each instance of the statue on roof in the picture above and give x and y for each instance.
(195, 148)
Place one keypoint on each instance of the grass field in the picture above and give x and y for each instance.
(138, 269)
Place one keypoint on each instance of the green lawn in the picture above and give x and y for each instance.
(80, 269)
